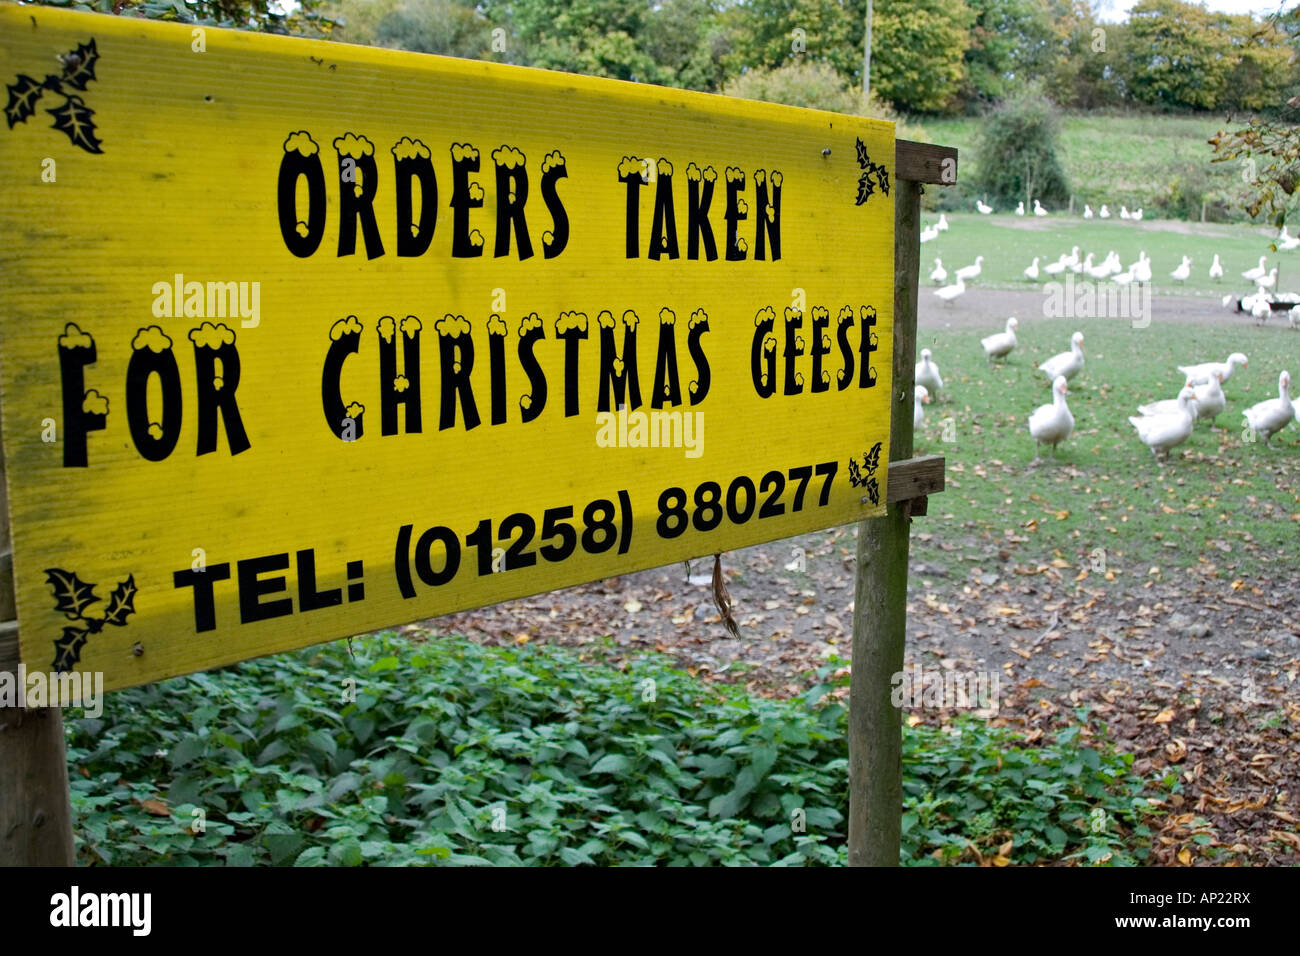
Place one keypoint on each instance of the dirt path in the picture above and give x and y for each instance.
(989, 308)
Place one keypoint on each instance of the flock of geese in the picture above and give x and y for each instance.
(1160, 425)
(1260, 304)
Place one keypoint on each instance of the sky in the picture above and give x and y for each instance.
(1115, 10)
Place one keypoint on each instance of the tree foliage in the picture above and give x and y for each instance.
(928, 56)
(1268, 146)
(267, 16)
(815, 86)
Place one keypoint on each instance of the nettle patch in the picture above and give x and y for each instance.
(454, 753)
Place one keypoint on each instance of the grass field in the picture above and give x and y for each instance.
(1009, 243)
(1115, 158)
(1222, 506)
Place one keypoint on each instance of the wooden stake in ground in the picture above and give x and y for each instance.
(880, 599)
(35, 809)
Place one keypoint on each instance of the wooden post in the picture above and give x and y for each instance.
(35, 807)
(880, 597)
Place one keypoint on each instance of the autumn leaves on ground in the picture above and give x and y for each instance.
(1161, 598)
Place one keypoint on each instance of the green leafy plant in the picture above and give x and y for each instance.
(452, 753)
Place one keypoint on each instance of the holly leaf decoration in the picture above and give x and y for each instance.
(22, 99)
(866, 188)
(121, 602)
(71, 594)
(882, 179)
(74, 118)
(873, 491)
(863, 160)
(67, 649)
(855, 473)
(79, 65)
(872, 459)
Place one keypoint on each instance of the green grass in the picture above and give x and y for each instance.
(1009, 243)
(454, 753)
(1121, 158)
(1220, 505)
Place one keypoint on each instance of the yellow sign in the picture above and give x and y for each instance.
(300, 340)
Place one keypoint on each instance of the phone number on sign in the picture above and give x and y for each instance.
(436, 555)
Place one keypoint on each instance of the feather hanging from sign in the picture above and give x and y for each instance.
(721, 599)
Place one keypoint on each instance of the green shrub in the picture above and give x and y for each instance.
(1018, 153)
(816, 86)
(574, 763)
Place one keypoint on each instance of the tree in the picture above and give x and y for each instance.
(670, 42)
(919, 47)
(1012, 43)
(1177, 58)
(772, 33)
(815, 86)
(1268, 147)
(447, 27)
(1018, 149)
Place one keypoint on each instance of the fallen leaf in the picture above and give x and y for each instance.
(156, 807)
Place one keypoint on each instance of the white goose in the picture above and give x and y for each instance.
(1105, 213)
(1001, 344)
(1169, 406)
(1183, 271)
(929, 233)
(1210, 400)
(1038, 209)
(970, 271)
(1087, 211)
(1057, 267)
(1052, 424)
(1031, 273)
(1269, 417)
(1142, 269)
(1020, 208)
(1137, 214)
(1268, 281)
(1200, 374)
(938, 273)
(982, 209)
(1085, 266)
(942, 224)
(1216, 268)
(1261, 306)
(1256, 273)
(918, 415)
(1065, 364)
(1162, 432)
(1124, 213)
(950, 292)
(1109, 265)
(927, 373)
(1289, 243)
